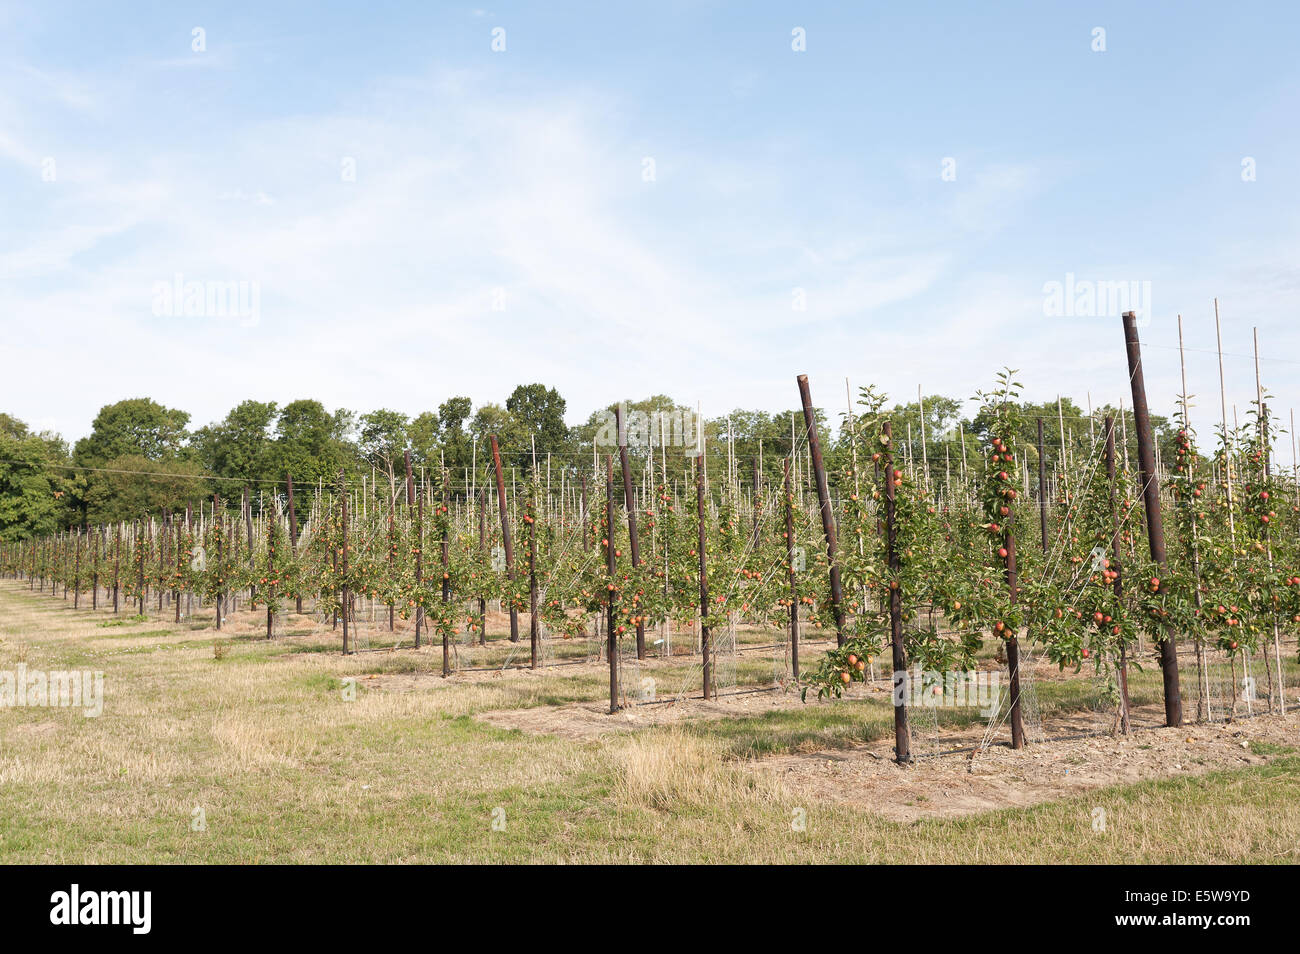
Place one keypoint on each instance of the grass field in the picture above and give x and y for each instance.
(262, 747)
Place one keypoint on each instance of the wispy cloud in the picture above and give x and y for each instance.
(467, 229)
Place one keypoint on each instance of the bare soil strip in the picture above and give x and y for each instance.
(961, 776)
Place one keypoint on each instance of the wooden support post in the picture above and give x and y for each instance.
(293, 536)
(1117, 566)
(163, 537)
(418, 533)
(482, 544)
(76, 572)
(94, 570)
(1151, 503)
(270, 575)
(629, 501)
(611, 568)
(445, 523)
(117, 564)
(1013, 644)
(248, 526)
(219, 526)
(534, 624)
(505, 536)
(824, 500)
(902, 737)
(794, 583)
(702, 514)
(180, 561)
(392, 556)
(346, 597)
(584, 519)
(1042, 486)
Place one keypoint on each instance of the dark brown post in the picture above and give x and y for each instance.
(505, 536)
(163, 536)
(293, 536)
(392, 559)
(701, 514)
(585, 519)
(141, 535)
(76, 572)
(180, 561)
(220, 524)
(418, 532)
(1013, 644)
(629, 501)
(446, 575)
(824, 499)
(534, 624)
(611, 568)
(94, 570)
(794, 584)
(248, 526)
(1042, 486)
(117, 564)
(902, 739)
(270, 572)
(345, 600)
(482, 544)
(1116, 566)
(1013, 641)
(1151, 503)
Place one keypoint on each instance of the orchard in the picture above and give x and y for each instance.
(1180, 569)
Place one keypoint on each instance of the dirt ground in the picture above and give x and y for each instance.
(947, 786)
(963, 776)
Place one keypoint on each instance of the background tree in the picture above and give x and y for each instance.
(34, 487)
(239, 447)
(384, 438)
(444, 435)
(131, 436)
(311, 443)
(454, 440)
(137, 426)
(750, 428)
(495, 419)
(539, 411)
(136, 486)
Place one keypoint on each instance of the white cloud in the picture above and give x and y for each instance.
(379, 292)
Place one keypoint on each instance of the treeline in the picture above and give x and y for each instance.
(144, 458)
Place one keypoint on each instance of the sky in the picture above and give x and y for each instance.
(418, 200)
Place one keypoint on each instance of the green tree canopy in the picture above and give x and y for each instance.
(34, 488)
(384, 439)
(311, 443)
(539, 412)
(134, 486)
(136, 426)
(240, 445)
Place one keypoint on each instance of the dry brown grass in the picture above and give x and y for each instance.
(285, 769)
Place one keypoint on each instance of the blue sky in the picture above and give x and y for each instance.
(500, 228)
